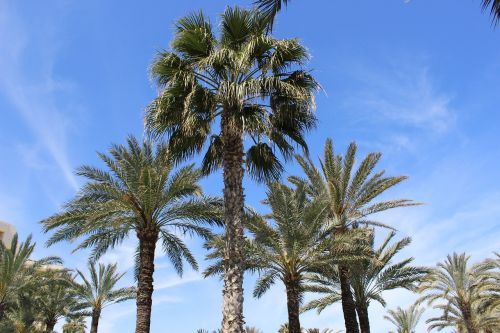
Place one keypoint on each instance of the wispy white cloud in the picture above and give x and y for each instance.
(33, 93)
(405, 96)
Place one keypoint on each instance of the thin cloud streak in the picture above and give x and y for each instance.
(35, 102)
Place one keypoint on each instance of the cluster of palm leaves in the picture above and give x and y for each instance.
(37, 294)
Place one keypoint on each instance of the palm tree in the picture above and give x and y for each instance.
(463, 290)
(494, 8)
(141, 195)
(351, 195)
(55, 296)
(99, 291)
(242, 94)
(17, 270)
(370, 278)
(405, 321)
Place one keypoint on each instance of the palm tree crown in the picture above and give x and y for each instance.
(99, 291)
(253, 81)
(407, 320)
(464, 290)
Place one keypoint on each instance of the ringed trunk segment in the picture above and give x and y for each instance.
(147, 246)
(348, 304)
(232, 137)
(293, 306)
(364, 320)
(96, 314)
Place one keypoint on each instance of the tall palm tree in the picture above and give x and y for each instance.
(406, 321)
(462, 290)
(351, 194)
(240, 94)
(139, 195)
(17, 270)
(370, 278)
(99, 291)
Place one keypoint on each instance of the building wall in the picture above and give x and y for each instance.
(7, 231)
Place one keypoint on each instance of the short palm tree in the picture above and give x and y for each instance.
(98, 291)
(351, 194)
(245, 96)
(17, 270)
(370, 278)
(406, 321)
(462, 290)
(139, 195)
(55, 297)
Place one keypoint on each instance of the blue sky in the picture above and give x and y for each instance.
(419, 81)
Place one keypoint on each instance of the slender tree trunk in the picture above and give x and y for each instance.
(468, 320)
(348, 305)
(364, 320)
(49, 325)
(96, 314)
(293, 305)
(232, 309)
(147, 245)
(2, 310)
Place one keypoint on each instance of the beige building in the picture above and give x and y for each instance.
(7, 231)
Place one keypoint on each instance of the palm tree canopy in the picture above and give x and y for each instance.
(16, 268)
(140, 192)
(406, 320)
(350, 191)
(371, 276)
(270, 8)
(463, 292)
(242, 77)
(99, 291)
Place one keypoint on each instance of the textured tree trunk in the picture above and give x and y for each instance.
(293, 305)
(364, 320)
(348, 305)
(2, 310)
(468, 320)
(232, 308)
(96, 314)
(147, 245)
(49, 325)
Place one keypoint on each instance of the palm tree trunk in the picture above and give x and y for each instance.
(96, 314)
(49, 325)
(293, 305)
(468, 320)
(348, 305)
(232, 309)
(364, 320)
(147, 246)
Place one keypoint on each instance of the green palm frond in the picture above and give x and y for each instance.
(494, 8)
(466, 295)
(139, 191)
(97, 290)
(406, 320)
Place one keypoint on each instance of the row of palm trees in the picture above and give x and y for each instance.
(241, 98)
(36, 294)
